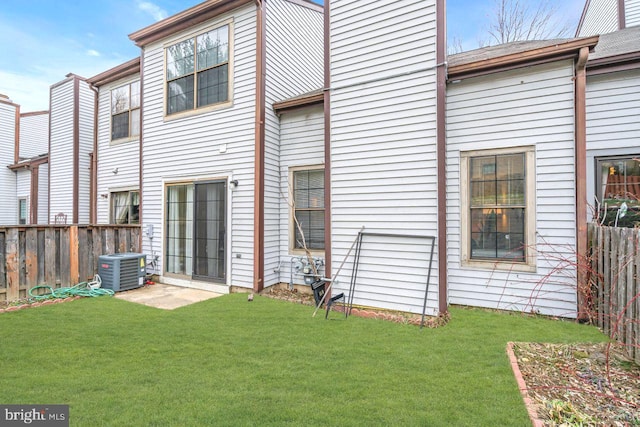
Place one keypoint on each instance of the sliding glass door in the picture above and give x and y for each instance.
(196, 230)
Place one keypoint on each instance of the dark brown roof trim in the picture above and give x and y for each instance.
(441, 153)
(69, 77)
(16, 136)
(116, 73)
(626, 61)
(622, 15)
(185, 19)
(76, 149)
(29, 163)
(306, 100)
(7, 101)
(34, 113)
(541, 55)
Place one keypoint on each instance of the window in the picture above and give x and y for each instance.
(198, 71)
(125, 111)
(618, 190)
(125, 207)
(497, 191)
(308, 208)
(22, 211)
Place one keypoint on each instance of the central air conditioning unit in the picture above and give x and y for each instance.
(122, 272)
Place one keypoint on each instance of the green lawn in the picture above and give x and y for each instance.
(227, 361)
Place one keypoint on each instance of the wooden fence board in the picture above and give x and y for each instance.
(50, 247)
(41, 256)
(606, 306)
(108, 241)
(96, 235)
(85, 269)
(12, 260)
(122, 241)
(31, 257)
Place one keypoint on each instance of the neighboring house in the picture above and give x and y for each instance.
(24, 182)
(71, 137)
(210, 154)
(606, 16)
(117, 151)
(613, 124)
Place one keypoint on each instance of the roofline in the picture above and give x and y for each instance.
(308, 4)
(69, 77)
(33, 161)
(185, 19)
(625, 61)
(584, 15)
(8, 101)
(521, 59)
(116, 73)
(34, 113)
(299, 102)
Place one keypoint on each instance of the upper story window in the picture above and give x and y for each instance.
(198, 71)
(125, 111)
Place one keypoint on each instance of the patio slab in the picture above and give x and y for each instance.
(166, 297)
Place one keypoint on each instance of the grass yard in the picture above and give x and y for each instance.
(227, 361)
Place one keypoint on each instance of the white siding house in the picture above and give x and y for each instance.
(199, 157)
(598, 17)
(294, 61)
(70, 142)
(383, 148)
(632, 12)
(118, 144)
(9, 113)
(34, 134)
(43, 194)
(23, 195)
(524, 109)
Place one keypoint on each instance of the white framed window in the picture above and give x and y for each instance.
(125, 111)
(125, 207)
(307, 207)
(497, 190)
(23, 211)
(197, 71)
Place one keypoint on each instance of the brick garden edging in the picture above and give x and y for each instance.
(528, 403)
(37, 304)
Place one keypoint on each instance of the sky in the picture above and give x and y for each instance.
(41, 41)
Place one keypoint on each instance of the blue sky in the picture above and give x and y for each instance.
(43, 40)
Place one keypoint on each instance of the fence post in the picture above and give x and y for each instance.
(73, 255)
(13, 265)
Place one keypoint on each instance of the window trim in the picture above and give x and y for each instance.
(26, 205)
(130, 137)
(292, 227)
(530, 211)
(231, 61)
(123, 190)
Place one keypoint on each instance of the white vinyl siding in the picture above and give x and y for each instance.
(209, 144)
(301, 144)
(294, 55)
(601, 18)
(525, 107)
(23, 191)
(632, 12)
(61, 151)
(34, 135)
(43, 193)
(86, 123)
(613, 114)
(8, 207)
(118, 163)
(383, 148)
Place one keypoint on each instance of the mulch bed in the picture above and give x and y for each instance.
(581, 384)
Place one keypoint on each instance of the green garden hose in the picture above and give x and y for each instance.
(81, 289)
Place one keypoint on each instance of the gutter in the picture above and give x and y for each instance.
(441, 153)
(581, 176)
(327, 143)
(93, 188)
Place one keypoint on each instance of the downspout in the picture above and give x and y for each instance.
(93, 189)
(327, 141)
(441, 153)
(581, 176)
(622, 15)
(259, 188)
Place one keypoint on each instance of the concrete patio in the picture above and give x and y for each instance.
(166, 297)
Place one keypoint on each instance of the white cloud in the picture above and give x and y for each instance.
(93, 52)
(153, 9)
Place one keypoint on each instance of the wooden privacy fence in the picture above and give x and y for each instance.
(615, 263)
(57, 255)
